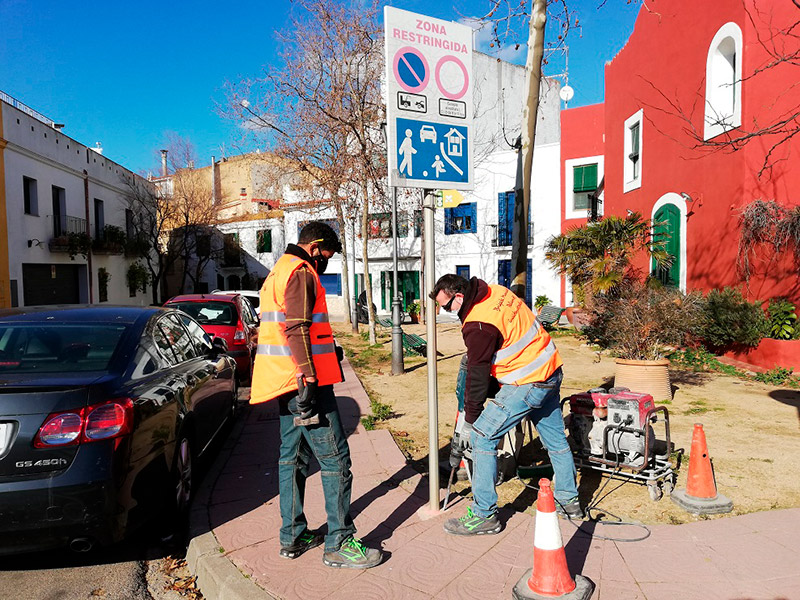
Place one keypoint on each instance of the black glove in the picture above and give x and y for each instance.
(460, 444)
(306, 398)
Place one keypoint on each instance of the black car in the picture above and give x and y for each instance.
(103, 411)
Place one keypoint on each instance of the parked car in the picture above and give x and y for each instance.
(252, 296)
(103, 412)
(230, 317)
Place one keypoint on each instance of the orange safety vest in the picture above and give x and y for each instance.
(275, 371)
(527, 355)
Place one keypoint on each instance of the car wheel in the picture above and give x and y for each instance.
(183, 476)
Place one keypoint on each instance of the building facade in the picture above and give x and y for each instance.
(697, 124)
(63, 216)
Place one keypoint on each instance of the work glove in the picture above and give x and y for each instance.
(306, 398)
(460, 444)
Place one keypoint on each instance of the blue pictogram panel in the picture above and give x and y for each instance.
(432, 151)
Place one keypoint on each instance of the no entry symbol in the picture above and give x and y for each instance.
(411, 69)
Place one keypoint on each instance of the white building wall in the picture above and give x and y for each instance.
(40, 152)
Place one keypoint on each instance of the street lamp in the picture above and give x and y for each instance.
(398, 368)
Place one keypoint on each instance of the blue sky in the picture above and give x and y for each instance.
(128, 74)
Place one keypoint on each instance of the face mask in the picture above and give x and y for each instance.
(320, 263)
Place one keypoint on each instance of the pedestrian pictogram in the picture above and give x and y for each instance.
(432, 152)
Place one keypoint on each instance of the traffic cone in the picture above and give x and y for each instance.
(549, 578)
(700, 496)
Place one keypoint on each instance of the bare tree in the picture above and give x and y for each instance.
(322, 108)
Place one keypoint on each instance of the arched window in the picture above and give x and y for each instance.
(669, 220)
(723, 102)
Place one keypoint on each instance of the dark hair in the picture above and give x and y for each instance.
(321, 233)
(451, 284)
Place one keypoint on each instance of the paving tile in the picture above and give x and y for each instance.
(617, 590)
(754, 557)
(785, 537)
(250, 528)
(256, 485)
(719, 527)
(385, 538)
(483, 579)
(424, 567)
(476, 546)
(689, 590)
(299, 579)
(372, 587)
(785, 588)
(773, 519)
(644, 557)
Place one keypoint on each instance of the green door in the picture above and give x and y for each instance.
(407, 281)
(668, 226)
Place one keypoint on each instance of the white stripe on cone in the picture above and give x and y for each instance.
(547, 533)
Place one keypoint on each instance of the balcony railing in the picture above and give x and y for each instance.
(61, 225)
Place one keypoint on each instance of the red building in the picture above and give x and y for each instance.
(674, 139)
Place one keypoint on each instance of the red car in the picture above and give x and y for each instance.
(230, 317)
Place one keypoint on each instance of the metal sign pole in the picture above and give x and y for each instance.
(433, 388)
(397, 332)
(354, 309)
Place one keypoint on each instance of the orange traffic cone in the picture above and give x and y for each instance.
(549, 577)
(700, 496)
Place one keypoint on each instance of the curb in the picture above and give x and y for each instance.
(217, 577)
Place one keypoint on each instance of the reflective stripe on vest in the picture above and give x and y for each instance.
(519, 346)
(278, 317)
(523, 372)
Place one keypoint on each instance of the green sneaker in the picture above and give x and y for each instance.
(306, 541)
(353, 554)
(472, 524)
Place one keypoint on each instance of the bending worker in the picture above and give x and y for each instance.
(297, 365)
(505, 341)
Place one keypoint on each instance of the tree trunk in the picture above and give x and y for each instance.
(533, 70)
(365, 258)
(345, 254)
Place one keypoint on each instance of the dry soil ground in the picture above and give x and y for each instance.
(751, 428)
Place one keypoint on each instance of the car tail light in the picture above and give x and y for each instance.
(239, 336)
(99, 422)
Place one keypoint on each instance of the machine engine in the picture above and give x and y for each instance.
(624, 413)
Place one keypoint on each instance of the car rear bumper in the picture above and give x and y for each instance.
(79, 502)
(242, 358)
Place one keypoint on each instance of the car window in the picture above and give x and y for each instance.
(176, 333)
(248, 315)
(163, 344)
(148, 358)
(201, 339)
(57, 347)
(211, 312)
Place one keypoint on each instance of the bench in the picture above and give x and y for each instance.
(414, 343)
(549, 315)
(384, 322)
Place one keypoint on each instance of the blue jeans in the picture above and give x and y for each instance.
(540, 402)
(328, 443)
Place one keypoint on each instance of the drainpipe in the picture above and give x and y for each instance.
(88, 254)
(213, 181)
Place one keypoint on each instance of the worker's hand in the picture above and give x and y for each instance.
(460, 444)
(307, 399)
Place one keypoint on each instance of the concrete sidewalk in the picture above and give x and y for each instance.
(235, 523)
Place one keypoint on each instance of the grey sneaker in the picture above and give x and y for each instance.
(472, 524)
(306, 541)
(353, 554)
(570, 510)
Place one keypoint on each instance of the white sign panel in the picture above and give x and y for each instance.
(428, 101)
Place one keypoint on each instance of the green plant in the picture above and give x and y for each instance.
(776, 376)
(103, 276)
(114, 235)
(138, 277)
(782, 319)
(597, 256)
(541, 301)
(78, 243)
(414, 308)
(641, 322)
(729, 320)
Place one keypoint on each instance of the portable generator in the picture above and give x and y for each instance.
(612, 431)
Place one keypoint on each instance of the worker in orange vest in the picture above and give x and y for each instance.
(297, 365)
(506, 342)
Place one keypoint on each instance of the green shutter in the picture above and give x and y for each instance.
(584, 178)
(668, 225)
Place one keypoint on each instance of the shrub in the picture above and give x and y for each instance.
(782, 319)
(730, 320)
(541, 301)
(644, 322)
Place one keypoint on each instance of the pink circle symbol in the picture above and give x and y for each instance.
(411, 69)
(445, 92)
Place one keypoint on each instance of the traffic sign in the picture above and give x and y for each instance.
(429, 101)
